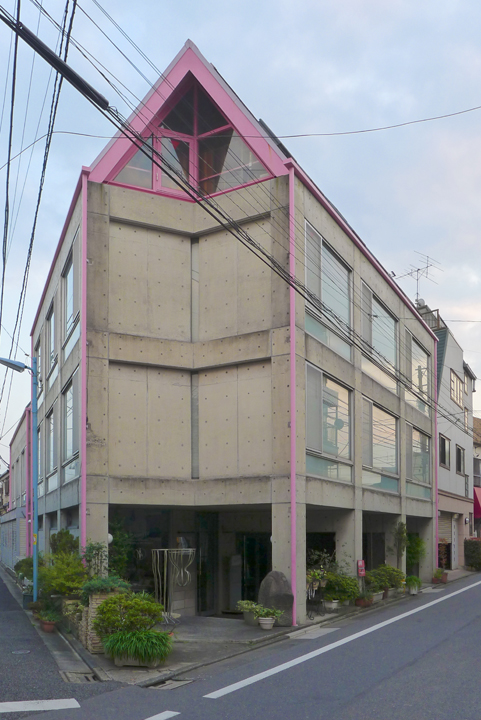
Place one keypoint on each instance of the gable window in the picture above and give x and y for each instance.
(444, 452)
(328, 426)
(459, 460)
(329, 280)
(199, 145)
(379, 448)
(457, 387)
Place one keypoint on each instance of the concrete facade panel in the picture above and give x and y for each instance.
(127, 420)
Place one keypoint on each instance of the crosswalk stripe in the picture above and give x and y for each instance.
(163, 715)
(30, 705)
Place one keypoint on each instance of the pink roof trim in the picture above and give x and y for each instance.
(191, 60)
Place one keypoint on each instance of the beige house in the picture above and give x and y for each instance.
(193, 397)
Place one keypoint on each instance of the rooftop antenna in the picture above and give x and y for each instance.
(420, 272)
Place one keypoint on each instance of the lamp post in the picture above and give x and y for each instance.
(20, 367)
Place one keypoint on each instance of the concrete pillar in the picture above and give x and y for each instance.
(349, 540)
(391, 552)
(430, 560)
(97, 522)
(281, 550)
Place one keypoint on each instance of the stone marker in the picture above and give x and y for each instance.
(275, 592)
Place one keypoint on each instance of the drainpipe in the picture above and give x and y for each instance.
(28, 480)
(292, 364)
(83, 371)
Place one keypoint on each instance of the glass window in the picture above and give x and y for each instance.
(457, 386)
(176, 153)
(379, 439)
(225, 162)
(50, 443)
(327, 415)
(459, 460)
(52, 355)
(466, 419)
(38, 354)
(69, 297)
(417, 456)
(419, 369)
(444, 452)
(138, 170)
(378, 330)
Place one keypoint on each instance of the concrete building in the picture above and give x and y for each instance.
(190, 395)
(14, 535)
(477, 475)
(455, 387)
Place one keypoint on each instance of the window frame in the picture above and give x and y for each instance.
(70, 455)
(374, 354)
(456, 389)
(410, 440)
(463, 457)
(372, 467)
(447, 443)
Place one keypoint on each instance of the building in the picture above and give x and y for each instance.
(455, 387)
(190, 395)
(477, 475)
(15, 538)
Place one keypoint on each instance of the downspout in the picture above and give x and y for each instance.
(28, 480)
(83, 368)
(292, 364)
(436, 445)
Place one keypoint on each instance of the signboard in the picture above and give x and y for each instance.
(34, 538)
(361, 568)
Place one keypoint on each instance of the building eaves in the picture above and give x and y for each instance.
(468, 371)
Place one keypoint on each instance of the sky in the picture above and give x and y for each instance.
(311, 67)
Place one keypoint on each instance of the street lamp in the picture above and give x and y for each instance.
(20, 367)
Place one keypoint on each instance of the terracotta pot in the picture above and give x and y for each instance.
(47, 625)
(363, 602)
(442, 579)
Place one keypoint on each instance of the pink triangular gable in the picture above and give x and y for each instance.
(190, 60)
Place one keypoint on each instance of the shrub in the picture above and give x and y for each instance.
(144, 645)
(246, 605)
(63, 542)
(415, 550)
(341, 587)
(472, 552)
(262, 612)
(412, 581)
(373, 582)
(64, 576)
(95, 557)
(387, 576)
(25, 566)
(126, 612)
(102, 585)
(121, 548)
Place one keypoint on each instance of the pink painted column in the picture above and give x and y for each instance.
(28, 481)
(83, 368)
(292, 363)
(436, 446)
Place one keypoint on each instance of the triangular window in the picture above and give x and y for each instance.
(200, 146)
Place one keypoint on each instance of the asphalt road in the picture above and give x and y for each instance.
(417, 659)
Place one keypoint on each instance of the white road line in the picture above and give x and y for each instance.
(30, 705)
(303, 658)
(163, 715)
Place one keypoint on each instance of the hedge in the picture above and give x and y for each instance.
(472, 553)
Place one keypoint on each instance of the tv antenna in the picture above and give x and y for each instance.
(422, 272)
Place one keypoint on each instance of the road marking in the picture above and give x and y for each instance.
(315, 653)
(311, 634)
(163, 715)
(30, 705)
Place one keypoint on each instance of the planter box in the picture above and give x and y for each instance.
(413, 590)
(389, 593)
(332, 605)
(363, 602)
(377, 597)
(443, 579)
(250, 619)
(27, 598)
(121, 662)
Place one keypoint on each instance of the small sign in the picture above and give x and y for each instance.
(361, 568)
(34, 538)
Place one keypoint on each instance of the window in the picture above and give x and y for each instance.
(68, 295)
(466, 386)
(378, 330)
(51, 348)
(41, 464)
(199, 145)
(329, 280)
(71, 465)
(417, 455)
(327, 425)
(457, 386)
(379, 439)
(466, 419)
(51, 450)
(38, 355)
(466, 486)
(417, 366)
(459, 460)
(444, 452)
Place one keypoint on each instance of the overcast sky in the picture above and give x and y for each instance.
(303, 67)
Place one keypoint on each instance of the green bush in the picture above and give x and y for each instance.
(25, 566)
(143, 645)
(373, 582)
(64, 576)
(121, 549)
(472, 552)
(101, 585)
(412, 581)
(415, 550)
(63, 542)
(96, 558)
(387, 576)
(126, 612)
(341, 587)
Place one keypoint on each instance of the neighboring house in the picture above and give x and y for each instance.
(456, 385)
(477, 474)
(175, 364)
(15, 539)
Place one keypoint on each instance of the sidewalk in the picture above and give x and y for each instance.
(198, 641)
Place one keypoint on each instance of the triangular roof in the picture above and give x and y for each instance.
(190, 61)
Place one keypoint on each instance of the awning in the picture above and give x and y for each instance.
(477, 502)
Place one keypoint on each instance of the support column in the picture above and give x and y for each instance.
(430, 560)
(281, 550)
(349, 540)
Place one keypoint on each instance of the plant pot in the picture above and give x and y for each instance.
(389, 593)
(267, 623)
(413, 590)
(27, 598)
(332, 605)
(120, 662)
(377, 597)
(250, 618)
(442, 579)
(47, 625)
(363, 602)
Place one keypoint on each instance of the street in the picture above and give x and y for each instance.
(417, 658)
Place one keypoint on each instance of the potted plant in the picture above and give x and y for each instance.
(247, 608)
(48, 618)
(339, 589)
(364, 599)
(146, 648)
(440, 576)
(413, 584)
(373, 587)
(316, 577)
(267, 616)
